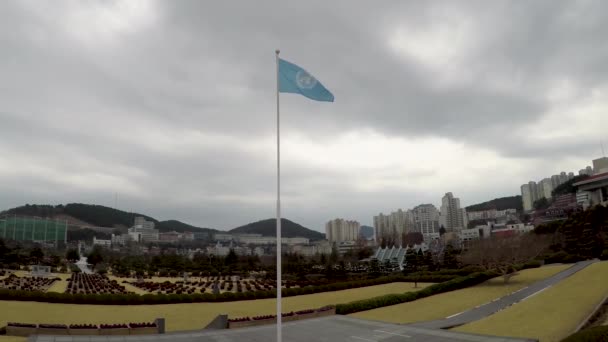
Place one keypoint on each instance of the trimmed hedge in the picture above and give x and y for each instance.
(392, 299)
(596, 334)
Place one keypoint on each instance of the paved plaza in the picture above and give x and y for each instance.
(326, 329)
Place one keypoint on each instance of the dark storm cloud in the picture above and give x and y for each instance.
(171, 103)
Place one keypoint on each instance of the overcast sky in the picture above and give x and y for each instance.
(171, 104)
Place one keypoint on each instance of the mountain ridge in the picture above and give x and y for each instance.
(80, 215)
(289, 228)
(501, 203)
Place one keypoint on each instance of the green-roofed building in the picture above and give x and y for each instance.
(22, 228)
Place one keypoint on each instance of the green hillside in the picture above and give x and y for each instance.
(511, 202)
(288, 229)
(98, 215)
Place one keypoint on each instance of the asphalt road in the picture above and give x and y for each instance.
(325, 329)
(504, 302)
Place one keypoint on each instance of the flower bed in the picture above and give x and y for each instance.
(113, 329)
(21, 329)
(143, 328)
(242, 322)
(53, 329)
(26, 329)
(84, 329)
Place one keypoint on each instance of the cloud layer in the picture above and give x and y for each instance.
(170, 105)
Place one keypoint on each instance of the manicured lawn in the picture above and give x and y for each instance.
(450, 303)
(553, 314)
(182, 316)
(12, 339)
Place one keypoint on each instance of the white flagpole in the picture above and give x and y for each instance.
(279, 241)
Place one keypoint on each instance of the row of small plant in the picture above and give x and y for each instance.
(135, 299)
(84, 326)
(284, 314)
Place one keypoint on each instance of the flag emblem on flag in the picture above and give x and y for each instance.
(294, 79)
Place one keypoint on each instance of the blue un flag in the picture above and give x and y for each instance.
(293, 79)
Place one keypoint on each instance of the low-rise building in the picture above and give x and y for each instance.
(103, 243)
(593, 190)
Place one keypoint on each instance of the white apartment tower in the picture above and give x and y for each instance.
(426, 219)
(395, 224)
(452, 216)
(340, 230)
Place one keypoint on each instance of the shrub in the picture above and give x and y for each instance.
(604, 255)
(589, 335)
(53, 326)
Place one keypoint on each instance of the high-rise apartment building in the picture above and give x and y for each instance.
(586, 171)
(526, 197)
(426, 219)
(381, 226)
(533, 191)
(545, 187)
(340, 230)
(394, 224)
(452, 216)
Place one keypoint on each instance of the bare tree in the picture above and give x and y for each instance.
(503, 254)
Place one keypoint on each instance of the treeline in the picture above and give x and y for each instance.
(568, 187)
(511, 202)
(87, 235)
(582, 236)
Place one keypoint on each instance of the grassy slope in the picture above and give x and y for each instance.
(181, 316)
(552, 314)
(446, 304)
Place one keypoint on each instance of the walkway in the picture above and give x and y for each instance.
(325, 329)
(503, 302)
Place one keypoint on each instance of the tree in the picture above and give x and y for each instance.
(412, 238)
(361, 250)
(411, 261)
(334, 256)
(231, 258)
(95, 257)
(442, 230)
(428, 261)
(72, 255)
(503, 255)
(36, 254)
(541, 203)
(449, 257)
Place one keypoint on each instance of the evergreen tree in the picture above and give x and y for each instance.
(36, 255)
(428, 261)
(95, 257)
(72, 255)
(449, 257)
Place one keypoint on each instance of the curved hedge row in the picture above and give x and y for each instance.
(589, 335)
(135, 299)
(392, 299)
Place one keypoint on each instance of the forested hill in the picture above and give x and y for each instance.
(288, 229)
(98, 215)
(511, 202)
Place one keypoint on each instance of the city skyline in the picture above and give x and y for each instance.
(170, 105)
